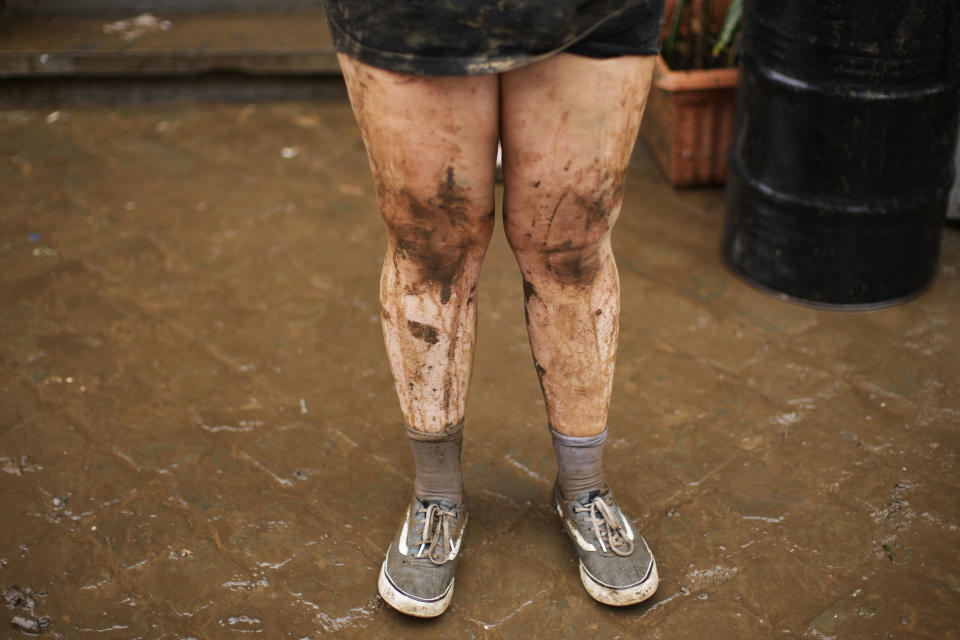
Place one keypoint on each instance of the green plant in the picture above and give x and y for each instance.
(691, 42)
(729, 32)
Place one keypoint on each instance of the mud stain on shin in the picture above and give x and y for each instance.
(445, 291)
(451, 379)
(424, 332)
(541, 373)
(528, 291)
(528, 294)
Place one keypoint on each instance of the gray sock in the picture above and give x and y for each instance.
(437, 460)
(579, 463)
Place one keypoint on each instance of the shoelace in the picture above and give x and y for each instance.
(436, 533)
(607, 527)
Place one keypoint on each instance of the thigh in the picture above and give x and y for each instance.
(568, 126)
(431, 143)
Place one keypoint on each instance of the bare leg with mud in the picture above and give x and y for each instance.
(432, 146)
(568, 128)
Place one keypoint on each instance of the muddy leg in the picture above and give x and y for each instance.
(432, 146)
(568, 128)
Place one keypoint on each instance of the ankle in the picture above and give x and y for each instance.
(436, 457)
(579, 463)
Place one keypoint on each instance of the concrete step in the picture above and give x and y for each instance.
(35, 44)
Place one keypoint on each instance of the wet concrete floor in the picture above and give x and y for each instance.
(199, 436)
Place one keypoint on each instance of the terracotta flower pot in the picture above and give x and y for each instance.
(688, 123)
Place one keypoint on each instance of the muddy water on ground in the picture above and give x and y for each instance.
(199, 438)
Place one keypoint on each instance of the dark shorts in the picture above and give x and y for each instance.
(473, 37)
(635, 32)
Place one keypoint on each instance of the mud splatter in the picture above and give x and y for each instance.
(447, 392)
(528, 291)
(546, 236)
(453, 199)
(17, 598)
(595, 212)
(424, 332)
(541, 372)
(436, 244)
(436, 261)
(569, 265)
(25, 600)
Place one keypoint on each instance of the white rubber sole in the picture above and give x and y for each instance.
(620, 597)
(411, 606)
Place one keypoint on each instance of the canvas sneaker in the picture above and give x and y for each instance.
(616, 565)
(416, 577)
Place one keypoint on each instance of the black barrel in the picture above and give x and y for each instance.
(842, 158)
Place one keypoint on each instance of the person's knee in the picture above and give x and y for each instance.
(436, 230)
(431, 233)
(566, 243)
